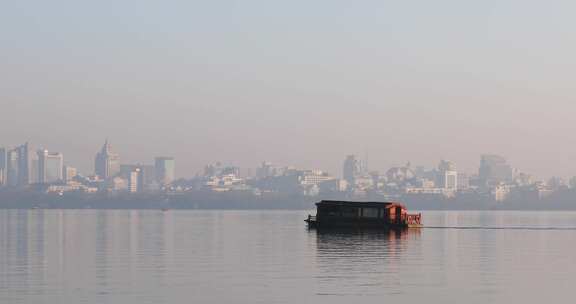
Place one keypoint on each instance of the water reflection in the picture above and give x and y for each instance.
(121, 256)
(364, 242)
(354, 262)
(101, 250)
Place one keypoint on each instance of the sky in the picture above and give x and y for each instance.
(293, 82)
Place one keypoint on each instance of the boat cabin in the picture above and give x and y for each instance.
(363, 214)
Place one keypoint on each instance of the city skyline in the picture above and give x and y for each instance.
(25, 170)
(447, 81)
(88, 170)
(326, 151)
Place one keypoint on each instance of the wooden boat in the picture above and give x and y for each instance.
(380, 215)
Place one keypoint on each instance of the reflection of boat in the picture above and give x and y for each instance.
(383, 215)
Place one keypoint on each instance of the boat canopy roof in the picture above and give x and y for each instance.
(359, 204)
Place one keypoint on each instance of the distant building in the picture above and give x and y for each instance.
(500, 192)
(12, 168)
(218, 169)
(400, 174)
(19, 166)
(352, 168)
(24, 165)
(50, 165)
(572, 182)
(448, 177)
(118, 184)
(333, 185)
(69, 173)
(426, 183)
(107, 163)
(523, 179)
(266, 170)
(494, 169)
(555, 183)
(147, 173)
(165, 168)
(463, 181)
(364, 183)
(313, 177)
(136, 181)
(3, 163)
(34, 167)
(437, 191)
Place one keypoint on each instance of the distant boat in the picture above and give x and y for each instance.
(165, 209)
(380, 215)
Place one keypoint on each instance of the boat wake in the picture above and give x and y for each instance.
(497, 228)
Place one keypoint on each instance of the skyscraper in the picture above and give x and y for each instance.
(24, 165)
(12, 168)
(136, 181)
(107, 163)
(494, 169)
(3, 164)
(448, 177)
(18, 166)
(165, 170)
(351, 169)
(50, 165)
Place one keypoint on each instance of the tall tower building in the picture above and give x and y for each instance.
(50, 166)
(351, 169)
(24, 165)
(107, 163)
(165, 168)
(494, 169)
(448, 176)
(3, 164)
(12, 173)
(136, 181)
(18, 165)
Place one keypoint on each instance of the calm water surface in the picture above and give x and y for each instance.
(105, 256)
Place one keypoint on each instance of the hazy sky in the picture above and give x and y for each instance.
(294, 82)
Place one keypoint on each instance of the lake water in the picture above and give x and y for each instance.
(123, 256)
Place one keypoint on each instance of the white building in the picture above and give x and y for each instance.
(50, 167)
(448, 177)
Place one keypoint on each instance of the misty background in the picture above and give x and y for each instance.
(292, 82)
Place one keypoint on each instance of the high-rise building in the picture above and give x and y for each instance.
(50, 166)
(107, 163)
(136, 181)
(165, 168)
(3, 164)
(18, 166)
(448, 177)
(24, 165)
(494, 169)
(12, 161)
(351, 169)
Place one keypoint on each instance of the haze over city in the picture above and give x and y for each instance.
(298, 83)
(261, 151)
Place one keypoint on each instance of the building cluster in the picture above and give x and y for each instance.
(25, 167)
(495, 180)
